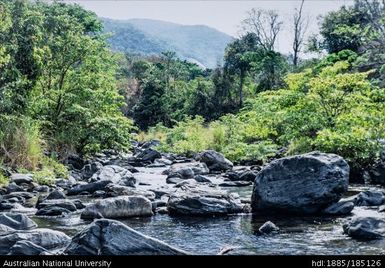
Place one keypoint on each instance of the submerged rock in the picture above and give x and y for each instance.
(365, 228)
(109, 237)
(192, 199)
(119, 207)
(268, 228)
(302, 184)
(215, 161)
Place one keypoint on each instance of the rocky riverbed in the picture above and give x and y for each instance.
(152, 203)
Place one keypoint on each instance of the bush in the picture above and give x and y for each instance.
(20, 142)
(45, 176)
(3, 180)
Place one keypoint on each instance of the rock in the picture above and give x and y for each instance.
(235, 183)
(99, 193)
(75, 161)
(42, 188)
(187, 170)
(110, 237)
(302, 184)
(45, 238)
(381, 208)
(118, 190)
(78, 204)
(90, 169)
(4, 230)
(52, 211)
(128, 181)
(173, 180)
(339, 208)
(215, 161)
(56, 194)
(377, 173)
(248, 175)
(365, 228)
(162, 210)
(200, 178)
(89, 187)
(202, 200)
(17, 221)
(13, 187)
(21, 178)
(268, 228)
(26, 247)
(163, 161)
(119, 207)
(113, 174)
(370, 198)
(148, 155)
(19, 195)
(63, 203)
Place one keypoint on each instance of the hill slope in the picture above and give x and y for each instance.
(196, 43)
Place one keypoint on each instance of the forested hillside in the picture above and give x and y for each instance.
(196, 43)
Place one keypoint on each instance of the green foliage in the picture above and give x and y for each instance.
(3, 180)
(44, 177)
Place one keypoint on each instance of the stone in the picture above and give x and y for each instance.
(112, 173)
(17, 221)
(56, 194)
(75, 161)
(235, 183)
(63, 203)
(99, 193)
(118, 190)
(173, 180)
(365, 228)
(339, 208)
(78, 204)
(90, 169)
(370, 198)
(215, 161)
(249, 175)
(192, 199)
(187, 170)
(110, 237)
(52, 211)
(4, 230)
(89, 187)
(119, 207)
(268, 228)
(201, 178)
(148, 155)
(377, 173)
(26, 247)
(13, 187)
(302, 184)
(45, 238)
(19, 178)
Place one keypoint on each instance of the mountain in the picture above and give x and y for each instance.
(196, 43)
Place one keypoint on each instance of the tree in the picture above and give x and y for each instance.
(265, 25)
(238, 58)
(300, 25)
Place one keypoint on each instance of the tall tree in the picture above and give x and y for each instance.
(266, 26)
(300, 24)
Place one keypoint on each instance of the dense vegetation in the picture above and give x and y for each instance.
(58, 89)
(63, 91)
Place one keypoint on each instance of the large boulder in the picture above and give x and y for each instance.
(114, 190)
(112, 173)
(147, 155)
(119, 207)
(370, 198)
(45, 238)
(109, 237)
(187, 170)
(302, 184)
(56, 194)
(17, 221)
(365, 228)
(21, 178)
(89, 187)
(25, 247)
(193, 199)
(377, 173)
(215, 161)
(339, 208)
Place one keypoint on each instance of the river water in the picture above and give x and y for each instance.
(208, 235)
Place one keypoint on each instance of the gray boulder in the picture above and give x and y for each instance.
(235, 183)
(17, 221)
(192, 199)
(112, 173)
(89, 187)
(45, 238)
(56, 194)
(302, 184)
(339, 208)
(370, 198)
(26, 247)
(377, 173)
(109, 237)
(52, 211)
(4, 229)
(365, 228)
(215, 161)
(119, 207)
(21, 178)
(114, 190)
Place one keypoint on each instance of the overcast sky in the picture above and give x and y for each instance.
(224, 15)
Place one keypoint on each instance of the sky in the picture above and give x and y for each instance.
(224, 15)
